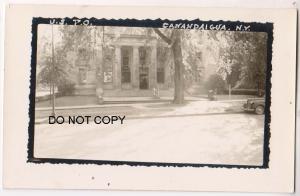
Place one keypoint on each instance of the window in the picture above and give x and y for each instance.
(199, 56)
(82, 53)
(160, 75)
(125, 56)
(125, 60)
(142, 55)
(126, 74)
(82, 75)
(82, 58)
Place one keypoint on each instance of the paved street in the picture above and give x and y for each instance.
(216, 138)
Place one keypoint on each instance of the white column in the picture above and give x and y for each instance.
(153, 68)
(117, 68)
(135, 67)
(99, 75)
(167, 67)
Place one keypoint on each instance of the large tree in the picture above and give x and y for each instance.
(174, 40)
(51, 63)
(243, 59)
(182, 44)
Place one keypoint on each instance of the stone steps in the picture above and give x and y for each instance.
(135, 93)
(88, 89)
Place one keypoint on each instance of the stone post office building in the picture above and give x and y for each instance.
(122, 61)
(132, 65)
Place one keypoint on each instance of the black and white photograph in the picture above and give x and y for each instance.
(136, 98)
(183, 93)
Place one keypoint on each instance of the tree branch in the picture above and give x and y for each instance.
(162, 36)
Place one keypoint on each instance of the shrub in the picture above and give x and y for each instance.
(66, 87)
(239, 91)
(215, 82)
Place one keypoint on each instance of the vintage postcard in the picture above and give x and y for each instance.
(129, 98)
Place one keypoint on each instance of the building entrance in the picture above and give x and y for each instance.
(144, 78)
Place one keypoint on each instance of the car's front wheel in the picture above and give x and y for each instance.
(260, 110)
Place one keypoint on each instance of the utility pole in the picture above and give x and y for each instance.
(100, 68)
(52, 76)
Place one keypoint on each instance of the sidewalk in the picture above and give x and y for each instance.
(147, 110)
(44, 95)
(124, 101)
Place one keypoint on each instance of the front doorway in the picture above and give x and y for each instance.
(126, 61)
(144, 78)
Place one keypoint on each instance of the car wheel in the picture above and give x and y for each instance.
(260, 110)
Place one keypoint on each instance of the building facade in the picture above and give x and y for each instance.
(123, 61)
(130, 65)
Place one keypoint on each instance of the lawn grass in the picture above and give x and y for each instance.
(234, 97)
(69, 101)
(84, 100)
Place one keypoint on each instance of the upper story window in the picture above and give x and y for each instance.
(126, 58)
(142, 56)
(82, 53)
(82, 75)
(82, 58)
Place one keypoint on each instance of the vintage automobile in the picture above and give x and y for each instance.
(256, 105)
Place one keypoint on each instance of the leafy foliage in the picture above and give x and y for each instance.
(50, 72)
(215, 82)
(243, 60)
(66, 87)
(53, 68)
(240, 57)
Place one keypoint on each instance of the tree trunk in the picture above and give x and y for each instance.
(50, 93)
(52, 76)
(178, 65)
(229, 91)
(258, 88)
(99, 62)
(175, 42)
(53, 99)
